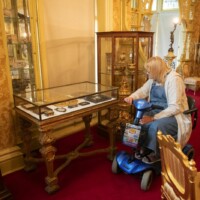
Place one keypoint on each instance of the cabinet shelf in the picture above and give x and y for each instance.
(19, 43)
(16, 19)
(118, 74)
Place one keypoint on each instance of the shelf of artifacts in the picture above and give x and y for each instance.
(123, 54)
(121, 59)
(19, 44)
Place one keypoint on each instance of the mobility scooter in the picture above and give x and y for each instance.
(128, 163)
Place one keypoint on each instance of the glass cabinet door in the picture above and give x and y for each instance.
(121, 57)
(16, 16)
(145, 51)
(105, 72)
(125, 61)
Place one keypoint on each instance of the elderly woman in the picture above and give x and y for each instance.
(165, 88)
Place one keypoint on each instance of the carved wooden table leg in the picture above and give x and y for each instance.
(48, 153)
(4, 193)
(27, 137)
(112, 139)
(88, 136)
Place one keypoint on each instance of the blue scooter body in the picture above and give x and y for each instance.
(125, 161)
(131, 165)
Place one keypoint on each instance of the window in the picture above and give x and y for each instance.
(154, 5)
(170, 4)
(162, 24)
(165, 5)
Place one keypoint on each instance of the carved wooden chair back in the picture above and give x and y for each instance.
(180, 179)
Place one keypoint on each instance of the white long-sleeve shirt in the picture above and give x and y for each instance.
(177, 103)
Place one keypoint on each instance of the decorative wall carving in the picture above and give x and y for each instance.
(189, 16)
(127, 16)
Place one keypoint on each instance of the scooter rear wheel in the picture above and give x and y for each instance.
(147, 179)
(115, 167)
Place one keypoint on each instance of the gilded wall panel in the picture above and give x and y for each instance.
(6, 120)
(128, 16)
(189, 15)
(122, 15)
(196, 39)
(117, 15)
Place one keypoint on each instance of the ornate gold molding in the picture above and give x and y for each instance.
(126, 17)
(189, 17)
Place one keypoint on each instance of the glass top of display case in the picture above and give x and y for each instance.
(63, 93)
(50, 102)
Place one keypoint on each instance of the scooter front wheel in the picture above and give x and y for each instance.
(115, 167)
(147, 179)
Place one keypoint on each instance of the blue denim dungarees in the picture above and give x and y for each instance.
(167, 125)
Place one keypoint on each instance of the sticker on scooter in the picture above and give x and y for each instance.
(131, 135)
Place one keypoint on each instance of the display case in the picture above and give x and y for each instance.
(53, 107)
(18, 31)
(64, 100)
(121, 58)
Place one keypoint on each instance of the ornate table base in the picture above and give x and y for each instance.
(48, 151)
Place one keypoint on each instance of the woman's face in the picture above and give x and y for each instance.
(149, 74)
(151, 71)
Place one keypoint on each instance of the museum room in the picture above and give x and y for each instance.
(99, 99)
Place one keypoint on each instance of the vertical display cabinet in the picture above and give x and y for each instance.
(20, 36)
(121, 58)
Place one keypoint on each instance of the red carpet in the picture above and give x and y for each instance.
(89, 177)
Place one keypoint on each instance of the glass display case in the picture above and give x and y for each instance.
(121, 55)
(121, 58)
(58, 101)
(17, 21)
(53, 107)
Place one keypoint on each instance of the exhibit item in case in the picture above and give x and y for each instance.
(51, 102)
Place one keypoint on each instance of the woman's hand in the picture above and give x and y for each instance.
(128, 100)
(146, 119)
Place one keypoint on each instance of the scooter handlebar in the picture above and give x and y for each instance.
(143, 106)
